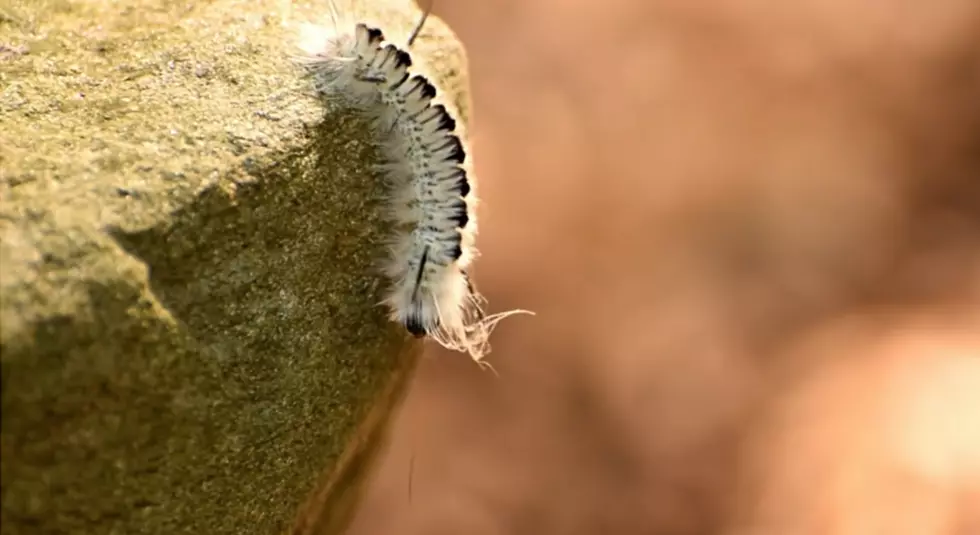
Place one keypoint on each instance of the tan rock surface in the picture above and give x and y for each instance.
(190, 330)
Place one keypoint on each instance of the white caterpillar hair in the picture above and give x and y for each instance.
(429, 177)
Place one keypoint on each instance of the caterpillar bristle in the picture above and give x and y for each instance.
(418, 26)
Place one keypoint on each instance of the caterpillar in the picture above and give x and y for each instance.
(429, 177)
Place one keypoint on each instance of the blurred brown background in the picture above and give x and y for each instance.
(750, 231)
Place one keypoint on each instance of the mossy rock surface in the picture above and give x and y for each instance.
(191, 336)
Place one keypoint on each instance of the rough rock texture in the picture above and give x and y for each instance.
(191, 341)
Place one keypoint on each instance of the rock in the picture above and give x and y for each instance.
(191, 336)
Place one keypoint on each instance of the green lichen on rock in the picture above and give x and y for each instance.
(191, 337)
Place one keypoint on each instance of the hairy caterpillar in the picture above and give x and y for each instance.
(429, 176)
